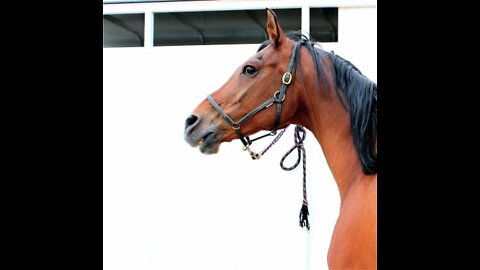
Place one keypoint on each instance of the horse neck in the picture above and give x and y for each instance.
(329, 121)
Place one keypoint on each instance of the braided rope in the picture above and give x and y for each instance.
(299, 137)
(274, 141)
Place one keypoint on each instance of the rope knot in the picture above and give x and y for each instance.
(299, 137)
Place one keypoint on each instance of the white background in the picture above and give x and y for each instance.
(167, 206)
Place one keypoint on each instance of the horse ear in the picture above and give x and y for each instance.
(275, 32)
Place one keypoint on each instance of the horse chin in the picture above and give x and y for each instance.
(210, 143)
(210, 148)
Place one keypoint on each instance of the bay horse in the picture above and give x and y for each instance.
(322, 92)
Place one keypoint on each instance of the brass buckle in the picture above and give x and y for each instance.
(287, 78)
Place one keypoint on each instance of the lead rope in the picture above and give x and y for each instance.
(299, 137)
(274, 141)
(257, 156)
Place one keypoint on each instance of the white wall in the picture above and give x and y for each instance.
(167, 206)
(357, 38)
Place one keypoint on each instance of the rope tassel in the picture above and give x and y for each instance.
(304, 216)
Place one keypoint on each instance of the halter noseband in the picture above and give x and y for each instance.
(278, 97)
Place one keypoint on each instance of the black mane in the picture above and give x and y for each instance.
(356, 93)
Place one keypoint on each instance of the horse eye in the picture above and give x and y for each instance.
(249, 70)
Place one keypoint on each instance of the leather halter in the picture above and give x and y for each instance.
(278, 97)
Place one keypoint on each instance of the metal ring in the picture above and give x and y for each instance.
(276, 95)
(235, 126)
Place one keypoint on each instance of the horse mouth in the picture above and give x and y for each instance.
(208, 143)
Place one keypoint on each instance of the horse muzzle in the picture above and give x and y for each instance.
(204, 138)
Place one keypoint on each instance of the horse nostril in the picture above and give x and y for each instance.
(191, 121)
